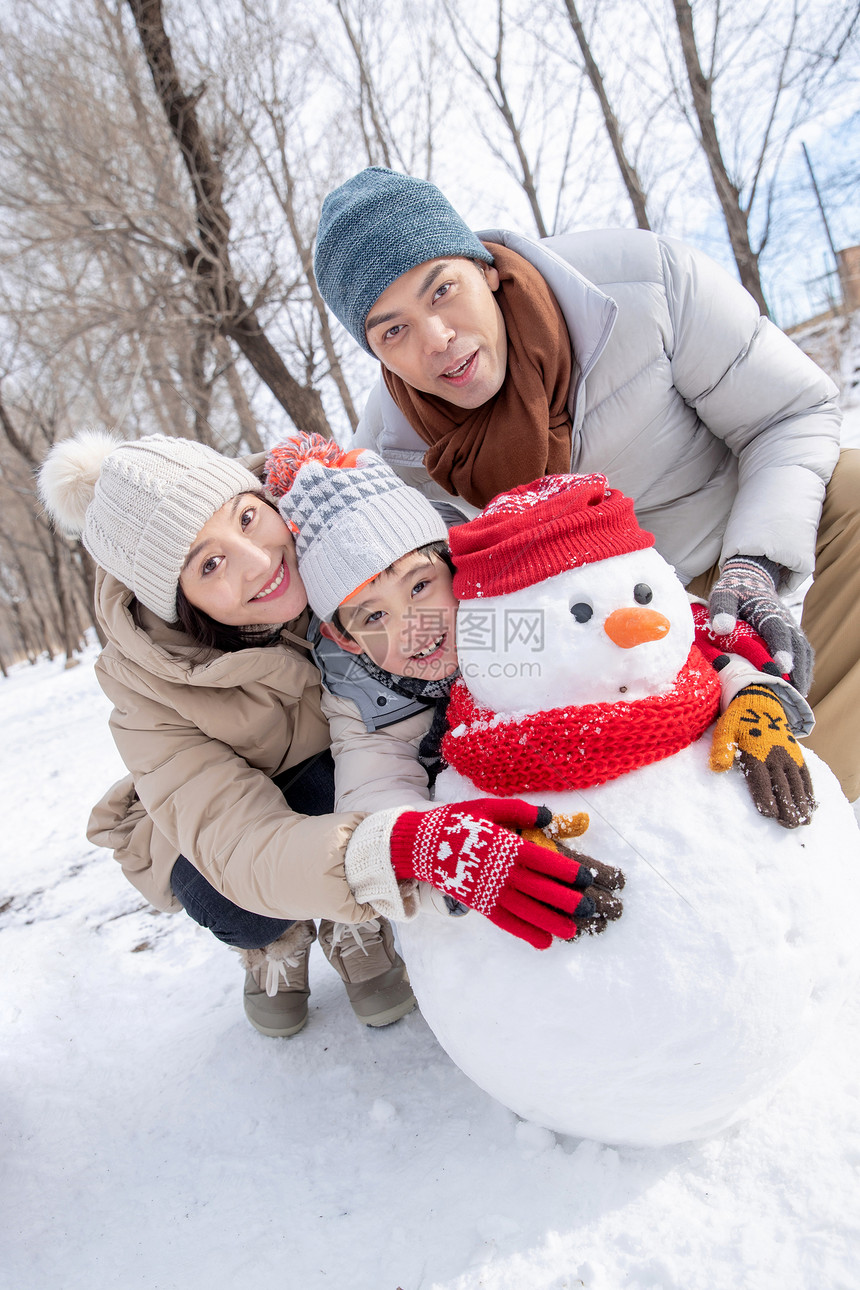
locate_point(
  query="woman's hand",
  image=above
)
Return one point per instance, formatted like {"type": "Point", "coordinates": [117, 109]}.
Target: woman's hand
{"type": "Point", "coordinates": [473, 851]}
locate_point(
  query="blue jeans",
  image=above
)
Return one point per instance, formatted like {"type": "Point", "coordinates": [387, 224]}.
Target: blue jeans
{"type": "Point", "coordinates": [309, 790]}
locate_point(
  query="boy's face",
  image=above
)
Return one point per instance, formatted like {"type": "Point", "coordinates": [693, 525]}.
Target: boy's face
{"type": "Point", "coordinates": [405, 619]}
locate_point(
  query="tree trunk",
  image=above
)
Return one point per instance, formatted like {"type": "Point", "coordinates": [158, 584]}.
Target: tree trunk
{"type": "Point", "coordinates": [527, 179]}
{"type": "Point", "coordinates": [210, 262]}
{"type": "Point", "coordinates": [43, 626]}
{"type": "Point", "coordinates": [367, 96]}
{"type": "Point", "coordinates": [71, 644]}
{"type": "Point", "coordinates": [736, 218]}
{"type": "Point", "coordinates": [497, 93]}
{"type": "Point", "coordinates": [23, 640]}
{"type": "Point", "coordinates": [88, 576]}
{"type": "Point", "coordinates": [32, 645]}
{"type": "Point", "coordinates": [629, 175]}
{"type": "Point", "coordinates": [285, 193]}
{"type": "Point", "coordinates": [247, 423]}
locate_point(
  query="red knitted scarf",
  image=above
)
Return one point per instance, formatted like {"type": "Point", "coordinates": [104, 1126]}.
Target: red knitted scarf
{"type": "Point", "coordinates": [578, 747]}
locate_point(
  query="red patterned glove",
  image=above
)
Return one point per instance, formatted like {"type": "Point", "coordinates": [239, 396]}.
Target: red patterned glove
{"type": "Point", "coordinates": [470, 851]}
{"type": "Point", "coordinates": [742, 639]}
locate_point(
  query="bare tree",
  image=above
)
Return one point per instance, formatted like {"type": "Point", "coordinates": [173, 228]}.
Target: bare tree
{"type": "Point", "coordinates": [95, 294]}
{"type": "Point", "coordinates": [210, 259]}
{"type": "Point", "coordinates": [728, 193]}
{"type": "Point", "coordinates": [29, 445]}
{"type": "Point", "coordinates": [394, 72]}
{"type": "Point", "coordinates": [781, 63]}
{"type": "Point", "coordinates": [269, 122]}
{"type": "Point", "coordinates": [375, 127]}
{"type": "Point", "coordinates": [495, 85]}
{"type": "Point", "coordinates": [629, 175]}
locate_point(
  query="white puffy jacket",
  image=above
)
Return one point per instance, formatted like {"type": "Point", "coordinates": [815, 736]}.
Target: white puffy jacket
{"type": "Point", "coordinates": [721, 430]}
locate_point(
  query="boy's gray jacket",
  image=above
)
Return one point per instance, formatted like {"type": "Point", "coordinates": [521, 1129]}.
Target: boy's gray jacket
{"type": "Point", "coordinates": [375, 733]}
{"type": "Point", "coordinates": [721, 430]}
{"type": "Point", "coordinates": [378, 705]}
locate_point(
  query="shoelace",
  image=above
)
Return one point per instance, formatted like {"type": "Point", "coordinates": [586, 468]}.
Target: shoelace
{"type": "Point", "coordinates": [341, 930]}
{"type": "Point", "coordinates": [277, 968]}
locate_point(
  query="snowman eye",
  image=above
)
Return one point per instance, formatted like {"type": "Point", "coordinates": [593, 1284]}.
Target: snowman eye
{"type": "Point", "coordinates": [581, 612]}
{"type": "Point", "coordinates": [642, 593]}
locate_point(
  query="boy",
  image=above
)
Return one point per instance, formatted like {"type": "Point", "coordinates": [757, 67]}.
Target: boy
{"type": "Point", "coordinates": [373, 556]}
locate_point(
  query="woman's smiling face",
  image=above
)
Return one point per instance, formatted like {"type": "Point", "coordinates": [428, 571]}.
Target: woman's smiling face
{"type": "Point", "coordinates": [241, 569]}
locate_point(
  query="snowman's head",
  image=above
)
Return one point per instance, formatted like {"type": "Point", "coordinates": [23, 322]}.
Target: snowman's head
{"type": "Point", "coordinates": [564, 601]}
{"type": "Point", "coordinates": [620, 629]}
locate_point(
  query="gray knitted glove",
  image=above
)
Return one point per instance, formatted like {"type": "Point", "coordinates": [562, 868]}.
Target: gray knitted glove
{"type": "Point", "coordinates": [746, 588]}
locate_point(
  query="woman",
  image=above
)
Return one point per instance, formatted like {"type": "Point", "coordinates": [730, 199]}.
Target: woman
{"type": "Point", "coordinates": [217, 715]}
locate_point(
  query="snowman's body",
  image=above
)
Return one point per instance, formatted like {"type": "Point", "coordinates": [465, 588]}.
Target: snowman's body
{"type": "Point", "coordinates": [738, 939]}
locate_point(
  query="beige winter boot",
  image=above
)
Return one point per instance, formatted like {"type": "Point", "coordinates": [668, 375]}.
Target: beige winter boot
{"type": "Point", "coordinates": [276, 982]}
{"type": "Point", "coordinates": [374, 974]}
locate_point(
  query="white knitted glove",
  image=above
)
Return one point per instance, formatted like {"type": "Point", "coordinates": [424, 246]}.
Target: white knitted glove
{"type": "Point", "coordinates": [368, 867]}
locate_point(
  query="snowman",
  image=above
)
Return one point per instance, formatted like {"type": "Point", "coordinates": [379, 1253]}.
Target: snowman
{"type": "Point", "coordinates": [582, 690]}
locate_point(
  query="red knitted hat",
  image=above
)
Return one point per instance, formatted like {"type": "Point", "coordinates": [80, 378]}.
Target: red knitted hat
{"type": "Point", "coordinates": [537, 530]}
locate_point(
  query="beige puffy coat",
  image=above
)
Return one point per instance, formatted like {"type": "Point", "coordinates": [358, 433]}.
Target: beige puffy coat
{"type": "Point", "coordinates": [374, 770]}
{"type": "Point", "coordinates": [202, 741]}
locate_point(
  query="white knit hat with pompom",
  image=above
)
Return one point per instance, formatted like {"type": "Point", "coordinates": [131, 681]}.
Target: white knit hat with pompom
{"type": "Point", "coordinates": [138, 505]}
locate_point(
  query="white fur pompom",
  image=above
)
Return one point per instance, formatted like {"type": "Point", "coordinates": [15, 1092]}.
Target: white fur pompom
{"type": "Point", "coordinates": [68, 477]}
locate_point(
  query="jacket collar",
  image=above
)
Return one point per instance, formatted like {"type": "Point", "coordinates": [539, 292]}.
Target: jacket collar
{"type": "Point", "coordinates": [166, 652]}
{"type": "Point", "coordinates": [589, 313]}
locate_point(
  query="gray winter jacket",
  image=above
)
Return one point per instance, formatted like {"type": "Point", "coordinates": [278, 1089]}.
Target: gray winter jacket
{"type": "Point", "coordinates": [721, 430]}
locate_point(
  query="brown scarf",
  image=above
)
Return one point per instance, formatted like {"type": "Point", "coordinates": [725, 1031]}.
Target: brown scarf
{"type": "Point", "coordinates": [524, 431]}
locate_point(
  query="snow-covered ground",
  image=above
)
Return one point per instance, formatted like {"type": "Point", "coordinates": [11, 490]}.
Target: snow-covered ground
{"type": "Point", "coordinates": [152, 1139]}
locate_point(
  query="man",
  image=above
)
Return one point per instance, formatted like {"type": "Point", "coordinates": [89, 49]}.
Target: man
{"type": "Point", "coordinates": [621, 352]}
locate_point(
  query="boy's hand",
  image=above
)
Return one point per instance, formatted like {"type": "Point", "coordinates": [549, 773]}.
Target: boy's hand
{"type": "Point", "coordinates": [473, 852]}
{"type": "Point", "coordinates": [754, 728]}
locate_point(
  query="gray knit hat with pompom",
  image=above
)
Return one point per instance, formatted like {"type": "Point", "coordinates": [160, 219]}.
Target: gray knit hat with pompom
{"type": "Point", "coordinates": [376, 226]}
{"type": "Point", "coordinates": [354, 517]}
{"type": "Point", "coordinates": [138, 505]}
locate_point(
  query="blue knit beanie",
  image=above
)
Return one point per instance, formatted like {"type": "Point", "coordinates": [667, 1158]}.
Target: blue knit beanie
{"type": "Point", "coordinates": [376, 226]}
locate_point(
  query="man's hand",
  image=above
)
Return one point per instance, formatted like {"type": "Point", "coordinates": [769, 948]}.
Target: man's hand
{"type": "Point", "coordinates": [746, 589]}
{"type": "Point", "coordinates": [754, 727]}
{"type": "Point", "coordinates": [473, 852]}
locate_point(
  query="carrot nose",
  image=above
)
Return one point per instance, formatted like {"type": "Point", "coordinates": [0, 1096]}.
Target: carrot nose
{"type": "Point", "coordinates": [629, 627]}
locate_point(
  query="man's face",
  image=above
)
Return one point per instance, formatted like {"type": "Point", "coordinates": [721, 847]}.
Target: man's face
{"type": "Point", "coordinates": [439, 328]}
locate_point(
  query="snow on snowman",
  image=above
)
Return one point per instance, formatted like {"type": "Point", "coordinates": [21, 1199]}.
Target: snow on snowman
{"type": "Point", "coordinates": [582, 690]}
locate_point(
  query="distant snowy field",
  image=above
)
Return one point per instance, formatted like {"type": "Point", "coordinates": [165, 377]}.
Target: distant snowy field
{"type": "Point", "coordinates": [151, 1139]}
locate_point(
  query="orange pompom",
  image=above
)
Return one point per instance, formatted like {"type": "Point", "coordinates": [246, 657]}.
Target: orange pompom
{"type": "Point", "coordinates": [286, 460]}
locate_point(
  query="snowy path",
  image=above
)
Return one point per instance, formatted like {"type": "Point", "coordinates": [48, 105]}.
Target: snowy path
{"type": "Point", "coordinates": [152, 1139]}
